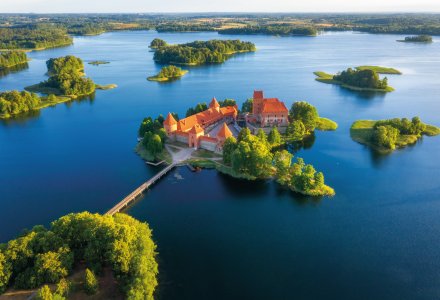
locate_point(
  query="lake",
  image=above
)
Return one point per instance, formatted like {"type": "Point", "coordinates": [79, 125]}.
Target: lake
{"type": "Point", "coordinates": [220, 238]}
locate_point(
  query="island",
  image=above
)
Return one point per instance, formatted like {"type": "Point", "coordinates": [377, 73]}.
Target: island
{"type": "Point", "coordinates": [388, 135]}
{"type": "Point", "coordinates": [66, 77]}
{"type": "Point", "coordinates": [74, 251]}
{"type": "Point", "coordinates": [98, 62]}
{"type": "Point", "coordinates": [201, 52]}
{"type": "Point", "coordinates": [282, 30]}
{"type": "Point", "coordinates": [356, 79]}
{"type": "Point", "coordinates": [12, 59]}
{"type": "Point", "coordinates": [417, 39]}
{"type": "Point", "coordinates": [210, 137]}
{"type": "Point", "coordinates": [168, 73]}
{"type": "Point", "coordinates": [33, 38]}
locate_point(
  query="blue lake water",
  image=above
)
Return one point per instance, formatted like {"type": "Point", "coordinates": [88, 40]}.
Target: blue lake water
{"type": "Point", "coordinates": [220, 238]}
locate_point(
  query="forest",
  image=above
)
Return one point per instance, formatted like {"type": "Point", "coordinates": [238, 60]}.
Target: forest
{"type": "Point", "coordinates": [201, 52]}
{"type": "Point", "coordinates": [66, 76]}
{"type": "Point", "coordinates": [12, 58]}
{"type": "Point", "coordinates": [44, 256]}
{"type": "Point", "coordinates": [33, 37]}
{"type": "Point", "coordinates": [285, 29]}
{"type": "Point", "coordinates": [15, 102]}
{"type": "Point", "coordinates": [366, 78]}
{"type": "Point", "coordinates": [252, 156]}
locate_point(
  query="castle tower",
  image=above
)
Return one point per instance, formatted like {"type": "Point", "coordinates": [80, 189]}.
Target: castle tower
{"type": "Point", "coordinates": [194, 134]}
{"type": "Point", "coordinates": [257, 105]}
{"type": "Point", "coordinates": [214, 104]}
{"type": "Point", "coordinates": [170, 124]}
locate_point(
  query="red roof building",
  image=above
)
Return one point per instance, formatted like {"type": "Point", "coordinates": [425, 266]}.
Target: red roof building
{"type": "Point", "coordinates": [269, 111]}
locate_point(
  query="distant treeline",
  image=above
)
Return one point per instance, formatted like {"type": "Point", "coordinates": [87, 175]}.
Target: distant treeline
{"type": "Point", "coordinates": [12, 58]}
{"type": "Point", "coordinates": [201, 52]}
{"type": "Point", "coordinates": [33, 38]}
{"type": "Point", "coordinates": [184, 27]}
{"type": "Point", "coordinates": [272, 30]}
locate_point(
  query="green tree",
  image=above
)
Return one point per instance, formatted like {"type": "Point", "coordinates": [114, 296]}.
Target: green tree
{"type": "Point", "coordinates": [306, 113]}
{"type": "Point", "coordinates": [247, 106]}
{"type": "Point", "coordinates": [274, 137]}
{"type": "Point", "coordinates": [282, 161]}
{"type": "Point", "coordinates": [44, 293]}
{"type": "Point", "coordinates": [52, 266]}
{"type": "Point", "coordinates": [90, 283]}
{"type": "Point", "coordinates": [261, 135]}
{"type": "Point", "coordinates": [296, 131]}
{"type": "Point", "coordinates": [64, 287]}
{"type": "Point", "coordinates": [154, 144]}
{"type": "Point", "coordinates": [319, 180]}
{"type": "Point", "coordinates": [244, 134]}
{"type": "Point", "coordinates": [386, 136]}
{"type": "Point", "coordinates": [158, 43]}
{"type": "Point", "coordinates": [5, 272]}
{"type": "Point", "coordinates": [228, 149]}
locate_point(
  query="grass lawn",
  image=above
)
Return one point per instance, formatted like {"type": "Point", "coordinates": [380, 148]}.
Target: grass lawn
{"type": "Point", "coordinates": [148, 156]}
{"type": "Point", "coordinates": [380, 70]}
{"type": "Point", "coordinates": [325, 124]}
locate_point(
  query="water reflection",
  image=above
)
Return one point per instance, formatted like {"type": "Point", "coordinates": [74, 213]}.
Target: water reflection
{"type": "Point", "coordinates": [14, 69]}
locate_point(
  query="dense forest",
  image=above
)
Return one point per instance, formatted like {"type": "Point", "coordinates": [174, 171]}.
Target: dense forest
{"type": "Point", "coordinates": [366, 78]}
{"type": "Point", "coordinates": [158, 43]}
{"type": "Point", "coordinates": [41, 256]}
{"type": "Point", "coordinates": [184, 27]}
{"type": "Point", "coordinates": [12, 58]}
{"type": "Point", "coordinates": [15, 102]}
{"type": "Point", "coordinates": [252, 156]}
{"type": "Point", "coordinates": [153, 135]}
{"type": "Point", "coordinates": [285, 29]}
{"type": "Point", "coordinates": [33, 37]}
{"type": "Point", "coordinates": [201, 52]}
{"type": "Point", "coordinates": [66, 76]}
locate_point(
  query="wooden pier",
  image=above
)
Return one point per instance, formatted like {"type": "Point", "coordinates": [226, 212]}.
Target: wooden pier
{"type": "Point", "coordinates": [137, 192]}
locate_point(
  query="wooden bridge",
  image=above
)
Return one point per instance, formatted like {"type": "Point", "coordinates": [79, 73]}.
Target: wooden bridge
{"type": "Point", "coordinates": [121, 205]}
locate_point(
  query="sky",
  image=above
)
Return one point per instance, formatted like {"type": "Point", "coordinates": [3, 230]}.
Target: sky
{"type": "Point", "coordinates": [155, 6]}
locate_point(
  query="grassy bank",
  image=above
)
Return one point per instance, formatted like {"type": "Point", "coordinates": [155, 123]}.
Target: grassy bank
{"type": "Point", "coordinates": [328, 78]}
{"type": "Point", "coordinates": [380, 70]}
{"type": "Point", "coordinates": [148, 156]}
{"type": "Point", "coordinates": [325, 124]}
{"type": "Point", "coordinates": [362, 132]}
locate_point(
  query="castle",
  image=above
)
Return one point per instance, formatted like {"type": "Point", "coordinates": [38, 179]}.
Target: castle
{"type": "Point", "coordinates": [269, 112]}
{"type": "Point", "coordinates": [207, 129]}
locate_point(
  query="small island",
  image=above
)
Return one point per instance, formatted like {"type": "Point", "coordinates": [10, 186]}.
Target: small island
{"type": "Point", "coordinates": [417, 39]}
{"type": "Point", "coordinates": [69, 259]}
{"type": "Point", "coordinates": [12, 59]}
{"type": "Point", "coordinates": [388, 135]}
{"type": "Point", "coordinates": [358, 80]}
{"type": "Point", "coordinates": [168, 73]}
{"type": "Point", "coordinates": [98, 62]}
{"type": "Point", "coordinates": [199, 52]}
{"type": "Point", "coordinates": [66, 78]}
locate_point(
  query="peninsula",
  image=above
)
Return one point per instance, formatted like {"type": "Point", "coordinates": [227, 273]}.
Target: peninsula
{"type": "Point", "coordinates": [363, 79]}
{"type": "Point", "coordinates": [388, 135]}
{"type": "Point", "coordinates": [168, 73]}
{"type": "Point", "coordinates": [199, 52]}
{"type": "Point", "coordinates": [33, 38]}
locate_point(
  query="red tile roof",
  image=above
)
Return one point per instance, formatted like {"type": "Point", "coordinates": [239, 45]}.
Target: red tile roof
{"type": "Point", "coordinates": [273, 105]}
{"type": "Point", "coordinates": [224, 132]}
{"type": "Point", "coordinates": [196, 129]}
{"type": "Point", "coordinates": [170, 120]}
{"type": "Point", "coordinates": [214, 103]}
{"type": "Point", "coordinates": [208, 116]}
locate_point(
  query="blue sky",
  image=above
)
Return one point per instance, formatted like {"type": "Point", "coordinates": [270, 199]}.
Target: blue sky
{"type": "Point", "coordinates": [59, 6]}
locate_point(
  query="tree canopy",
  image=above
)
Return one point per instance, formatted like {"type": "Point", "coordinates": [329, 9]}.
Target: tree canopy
{"type": "Point", "coordinates": [366, 78]}
{"type": "Point", "coordinates": [43, 255]}
{"type": "Point", "coordinates": [201, 52]}
{"type": "Point", "coordinates": [33, 37]}
{"type": "Point", "coordinates": [12, 58]}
